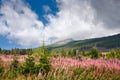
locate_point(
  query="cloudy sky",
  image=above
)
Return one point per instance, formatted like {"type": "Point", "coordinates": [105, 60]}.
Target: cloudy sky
{"type": "Point", "coordinates": [25, 23]}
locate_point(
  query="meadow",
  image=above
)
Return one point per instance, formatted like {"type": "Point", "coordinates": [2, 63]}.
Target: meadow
{"type": "Point", "coordinates": [45, 65]}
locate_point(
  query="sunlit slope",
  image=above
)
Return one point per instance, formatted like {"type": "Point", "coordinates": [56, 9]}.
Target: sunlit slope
{"type": "Point", "coordinates": [103, 43]}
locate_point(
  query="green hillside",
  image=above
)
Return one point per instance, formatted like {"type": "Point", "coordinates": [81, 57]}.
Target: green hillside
{"type": "Point", "coordinates": [103, 44]}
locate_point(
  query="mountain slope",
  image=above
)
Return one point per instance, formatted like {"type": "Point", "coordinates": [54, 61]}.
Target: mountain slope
{"type": "Point", "coordinates": [60, 43]}
{"type": "Point", "coordinates": [104, 43]}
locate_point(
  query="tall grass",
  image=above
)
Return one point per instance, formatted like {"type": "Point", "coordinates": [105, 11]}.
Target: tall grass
{"type": "Point", "coordinates": [83, 66]}
{"type": "Point", "coordinates": [62, 68]}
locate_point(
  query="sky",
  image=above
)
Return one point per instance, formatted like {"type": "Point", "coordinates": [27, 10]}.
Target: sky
{"type": "Point", "coordinates": [26, 23]}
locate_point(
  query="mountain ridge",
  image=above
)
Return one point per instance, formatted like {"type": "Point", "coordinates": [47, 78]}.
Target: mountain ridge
{"type": "Point", "coordinates": [102, 43]}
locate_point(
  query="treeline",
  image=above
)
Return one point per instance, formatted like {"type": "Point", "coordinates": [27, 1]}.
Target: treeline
{"type": "Point", "coordinates": [15, 51]}
{"type": "Point", "coordinates": [75, 52]}
{"type": "Point", "coordinates": [94, 53]}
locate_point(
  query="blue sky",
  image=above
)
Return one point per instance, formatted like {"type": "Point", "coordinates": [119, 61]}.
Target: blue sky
{"type": "Point", "coordinates": [38, 7]}
{"type": "Point", "coordinates": [25, 23]}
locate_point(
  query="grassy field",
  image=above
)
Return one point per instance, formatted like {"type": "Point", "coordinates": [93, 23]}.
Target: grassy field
{"type": "Point", "coordinates": [63, 68]}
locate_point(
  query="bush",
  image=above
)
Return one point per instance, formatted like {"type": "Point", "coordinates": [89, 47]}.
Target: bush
{"type": "Point", "coordinates": [94, 53]}
{"type": "Point", "coordinates": [83, 53]}
{"type": "Point", "coordinates": [14, 64]}
{"type": "Point", "coordinates": [44, 65]}
{"type": "Point", "coordinates": [0, 51]}
{"type": "Point", "coordinates": [1, 69]}
{"type": "Point", "coordinates": [114, 54]}
{"type": "Point", "coordinates": [28, 66]}
{"type": "Point", "coordinates": [13, 71]}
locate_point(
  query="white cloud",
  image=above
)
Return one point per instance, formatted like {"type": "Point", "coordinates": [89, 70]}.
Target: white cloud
{"type": "Point", "coordinates": [46, 8]}
{"type": "Point", "coordinates": [108, 12]}
{"type": "Point", "coordinates": [75, 19]}
{"type": "Point", "coordinates": [20, 23]}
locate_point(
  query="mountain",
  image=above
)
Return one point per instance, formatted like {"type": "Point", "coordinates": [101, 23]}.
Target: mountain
{"type": "Point", "coordinates": [63, 42]}
{"type": "Point", "coordinates": [103, 43]}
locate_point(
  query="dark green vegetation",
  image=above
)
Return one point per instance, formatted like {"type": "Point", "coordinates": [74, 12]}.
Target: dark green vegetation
{"type": "Point", "coordinates": [15, 51]}
{"type": "Point", "coordinates": [114, 54]}
{"type": "Point", "coordinates": [28, 69]}
{"type": "Point", "coordinates": [103, 44]}
{"type": "Point", "coordinates": [25, 70]}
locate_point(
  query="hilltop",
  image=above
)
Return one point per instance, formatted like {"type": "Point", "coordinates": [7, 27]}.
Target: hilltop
{"type": "Point", "coordinates": [103, 43]}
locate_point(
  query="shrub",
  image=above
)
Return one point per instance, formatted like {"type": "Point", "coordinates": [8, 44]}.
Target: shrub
{"type": "Point", "coordinates": [83, 53]}
{"type": "Point", "coordinates": [28, 66]}
{"type": "Point", "coordinates": [13, 71]}
{"type": "Point", "coordinates": [94, 53]}
{"type": "Point", "coordinates": [0, 51]}
{"type": "Point", "coordinates": [14, 64]}
{"type": "Point", "coordinates": [114, 54]}
{"type": "Point", "coordinates": [44, 65]}
{"type": "Point", "coordinates": [1, 69]}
